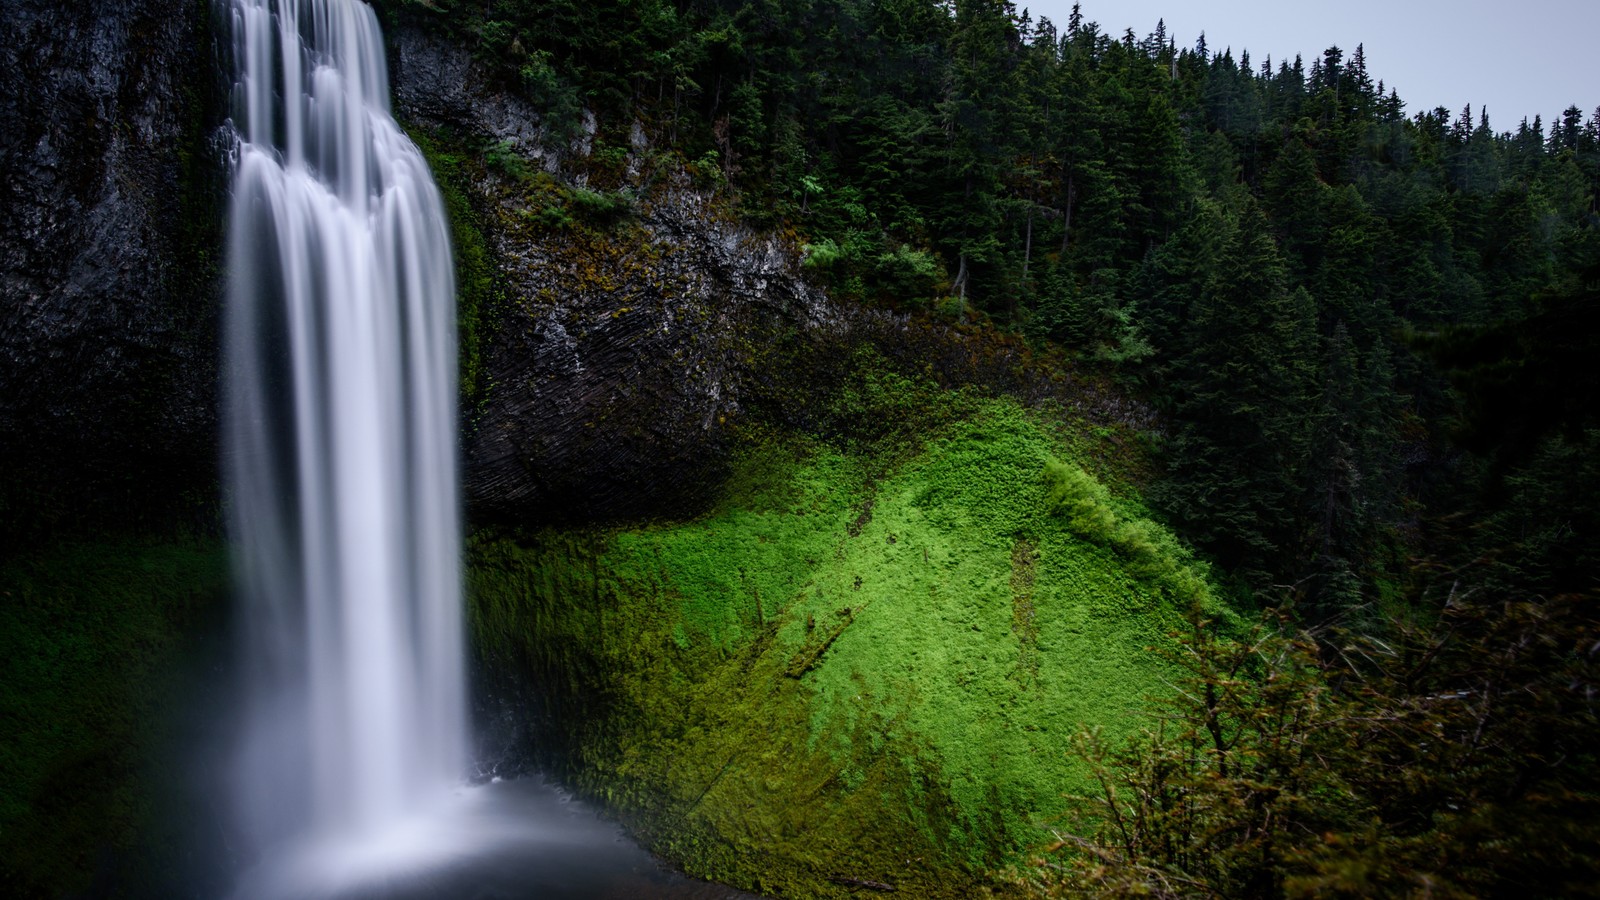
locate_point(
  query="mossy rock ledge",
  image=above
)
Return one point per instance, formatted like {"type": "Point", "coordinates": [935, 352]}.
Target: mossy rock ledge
{"type": "Point", "coordinates": [856, 667]}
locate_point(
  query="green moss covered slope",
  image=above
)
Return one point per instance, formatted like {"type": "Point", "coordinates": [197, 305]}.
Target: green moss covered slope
{"type": "Point", "coordinates": [865, 664]}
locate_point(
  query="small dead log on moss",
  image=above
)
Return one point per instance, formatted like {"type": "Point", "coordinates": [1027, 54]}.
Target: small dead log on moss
{"type": "Point", "coordinates": [720, 772]}
{"type": "Point", "coordinates": [808, 659]}
{"type": "Point", "coordinates": [862, 883]}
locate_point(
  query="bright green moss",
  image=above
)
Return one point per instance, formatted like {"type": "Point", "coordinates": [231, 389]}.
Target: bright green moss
{"type": "Point", "coordinates": [849, 667]}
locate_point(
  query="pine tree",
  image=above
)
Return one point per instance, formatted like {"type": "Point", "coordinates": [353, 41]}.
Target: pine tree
{"type": "Point", "coordinates": [1173, 276]}
{"type": "Point", "coordinates": [1346, 281]}
{"type": "Point", "coordinates": [1294, 196]}
{"type": "Point", "coordinates": [1245, 389]}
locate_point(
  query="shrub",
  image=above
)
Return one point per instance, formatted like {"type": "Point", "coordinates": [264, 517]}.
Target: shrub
{"type": "Point", "coordinates": [1152, 553]}
{"type": "Point", "coordinates": [1456, 759]}
{"type": "Point", "coordinates": [1076, 494]}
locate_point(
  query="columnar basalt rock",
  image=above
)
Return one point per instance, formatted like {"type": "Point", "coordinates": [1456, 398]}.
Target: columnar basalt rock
{"type": "Point", "coordinates": [613, 395]}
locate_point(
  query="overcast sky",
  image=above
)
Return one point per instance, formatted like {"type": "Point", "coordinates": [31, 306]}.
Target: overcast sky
{"type": "Point", "coordinates": [1520, 57]}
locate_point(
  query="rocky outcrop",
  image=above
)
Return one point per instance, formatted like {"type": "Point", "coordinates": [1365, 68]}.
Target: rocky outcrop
{"type": "Point", "coordinates": [109, 223]}
{"type": "Point", "coordinates": [618, 356]}
{"type": "Point", "coordinates": [617, 371]}
{"type": "Point", "coordinates": [621, 354]}
{"type": "Point", "coordinates": [438, 82]}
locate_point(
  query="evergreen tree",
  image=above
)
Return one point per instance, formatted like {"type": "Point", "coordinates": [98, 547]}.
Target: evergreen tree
{"type": "Point", "coordinates": [1295, 196]}
{"type": "Point", "coordinates": [1245, 387]}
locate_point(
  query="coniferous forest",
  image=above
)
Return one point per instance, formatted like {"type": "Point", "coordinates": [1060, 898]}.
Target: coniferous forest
{"type": "Point", "coordinates": [1351, 316]}
{"type": "Point", "coordinates": [1368, 331]}
{"type": "Point", "coordinates": [1354, 348]}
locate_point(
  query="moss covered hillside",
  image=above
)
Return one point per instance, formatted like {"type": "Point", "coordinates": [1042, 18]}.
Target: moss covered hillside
{"type": "Point", "coordinates": [868, 662]}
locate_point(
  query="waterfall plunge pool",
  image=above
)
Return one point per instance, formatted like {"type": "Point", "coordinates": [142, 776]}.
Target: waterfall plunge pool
{"type": "Point", "coordinates": [505, 840]}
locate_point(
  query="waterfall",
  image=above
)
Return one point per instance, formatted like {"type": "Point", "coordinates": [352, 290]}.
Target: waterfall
{"type": "Point", "coordinates": [340, 437]}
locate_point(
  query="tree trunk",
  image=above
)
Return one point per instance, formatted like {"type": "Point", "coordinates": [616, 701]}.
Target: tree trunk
{"type": "Point", "coordinates": [1066, 228]}
{"type": "Point", "coordinates": [1027, 248]}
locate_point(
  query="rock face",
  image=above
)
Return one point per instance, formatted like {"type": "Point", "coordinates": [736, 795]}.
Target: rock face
{"type": "Point", "coordinates": [621, 354]}
{"type": "Point", "coordinates": [618, 356]}
{"type": "Point", "coordinates": [616, 376]}
{"type": "Point", "coordinates": [109, 221]}
{"type": "Point", "coordinates": [437, 82]}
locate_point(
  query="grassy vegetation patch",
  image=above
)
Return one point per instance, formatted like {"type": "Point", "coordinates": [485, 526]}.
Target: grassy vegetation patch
{"type": "Point", "coordinates": [861, 665]}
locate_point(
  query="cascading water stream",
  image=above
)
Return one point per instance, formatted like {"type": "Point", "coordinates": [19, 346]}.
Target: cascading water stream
{"type": "Point", "coordinates": [340, 436]}
{"type": "Point", "coordinates": [340, 447]}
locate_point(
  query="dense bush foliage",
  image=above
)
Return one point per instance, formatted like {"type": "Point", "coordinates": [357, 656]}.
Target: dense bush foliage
{"type": "Point", "coordinates": [1456, 759]}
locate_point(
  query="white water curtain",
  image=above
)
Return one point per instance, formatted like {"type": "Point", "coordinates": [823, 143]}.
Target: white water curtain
{"type": "Point", "coordinates": [340, 433]}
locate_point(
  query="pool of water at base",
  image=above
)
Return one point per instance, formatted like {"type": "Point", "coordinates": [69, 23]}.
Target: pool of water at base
{"type": "Point", "coordinates": [521, 839]}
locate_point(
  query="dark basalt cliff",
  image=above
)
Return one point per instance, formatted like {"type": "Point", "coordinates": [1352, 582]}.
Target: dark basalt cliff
{"type": "Point", "coordinates": [109, 229]}
{"type": "Point", "coordinates": [615, 360]}
{"type": "Point", "coordinates": [614, 379]}
{"type": "Point", "coordinates": [618, 359]}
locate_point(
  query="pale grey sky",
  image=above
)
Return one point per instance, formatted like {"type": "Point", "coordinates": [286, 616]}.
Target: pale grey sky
{"type": "Point", "coordinates": [1520, 57]}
